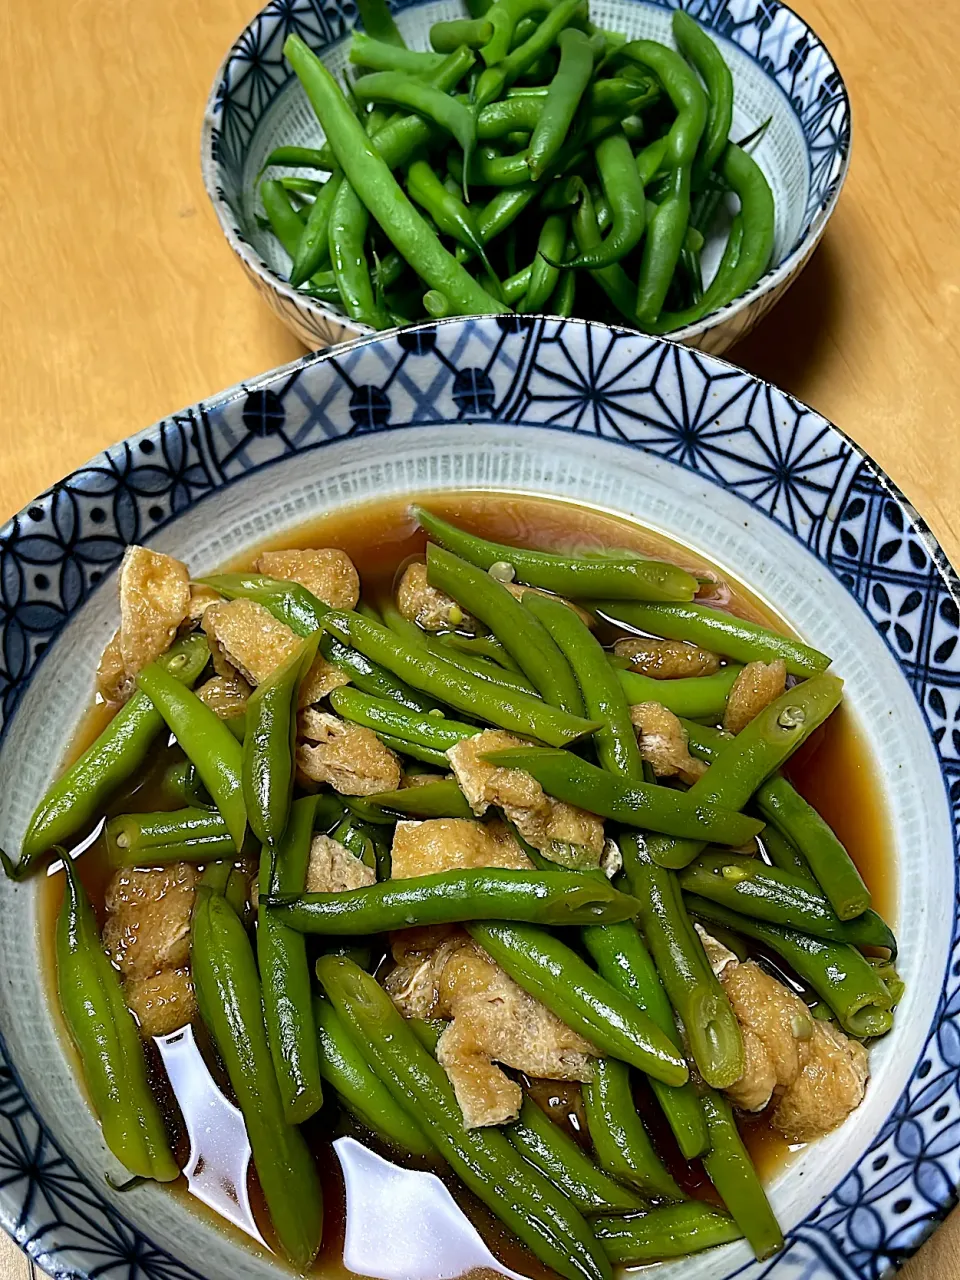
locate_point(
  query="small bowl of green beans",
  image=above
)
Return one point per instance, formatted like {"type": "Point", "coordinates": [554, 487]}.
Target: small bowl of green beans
{"type": "Point", "coordinates": [632, 163]}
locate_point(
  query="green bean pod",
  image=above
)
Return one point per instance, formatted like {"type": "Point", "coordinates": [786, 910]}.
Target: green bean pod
{"type": "Point", "coordinates": [379, 23]}
{"type": "Point", "coordinates": [478, 666]}
{"type": "Point", "coordinates": [699, 50]}
{"type": "Point", "coordinates": [576, 577]}
{"type": "Point", "coordinates": [295, 157]}
{"type": "Point", "coordinates": [285, 971]}
{"type": "Point", "coordinates": [159, 839]}
{"type": "Point", "coordinates": [313, 248]}
{"type": "Point", "coordinates": [566, 1163]}
{"type": "Point", "coordinates": [625, 196]}
{"type": "Point", "coordinates": [347, 235]}
{"type": "Point", "coordinates": [448, 897]}
{"type": "Point", "coordinates": [447, 210]}
{"type": "Point", "coordinates": [384, 57]}
{"type": "Point", "coordinates": [669, 1231]}
{"type": "Point", "coordinates": [544, 275]}
{"type": "Point", "coordinates": [81, 792]}
{"type": "Point", "coordinates": [231, 1004]}
{"type": "Point", "coordinates": [541, 1216]}
{"type": "Point", "coordinates": [731, 1171]}
{"type": "Point", "coordinates": [426, 755]}
{"type": "Point", "coordinates": [556, 975]}
{"type": "Point", "coordinates": [206, 741]}
{"type": "Point", "coordinates": [562, 100]}
{"type": "Point", "coordinates": [369, 677]}
{"type": "Point", "coordinates": [383, 715]}
{"type": "Point", "coordinates": [181, 784]}
{"type": "Point", "coordinates": [289, 602]}
{"type": "Point", "coordinates": [621, 1143]}
{"type": "Point", "coordinates": [108, 1041]}
{"type": "Point", "coordinates": [694, 697]}
{"type": "Point", "coordinates": [495, 79]}
{"type": "Point", "coordinates": [481, 647]}
{"type": "Point", "coordinates": [843, 978]}
{"type": "Point", "coordinates": [445, 37]}
{"type": "Point", "coordinates": [440, 799]}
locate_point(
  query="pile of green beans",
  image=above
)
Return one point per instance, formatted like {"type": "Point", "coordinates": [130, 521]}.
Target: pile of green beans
{"type": "Point", "coordinates": [620, 150]}
{"type": "Point", "coordinates": [600, 929]}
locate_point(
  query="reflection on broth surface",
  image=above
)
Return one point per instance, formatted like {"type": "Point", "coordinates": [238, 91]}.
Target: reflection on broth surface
{"type": "Point", "coordinates": [420, 1235]}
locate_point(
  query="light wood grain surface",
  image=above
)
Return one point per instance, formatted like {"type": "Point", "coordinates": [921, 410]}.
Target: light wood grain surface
{"type": "Point", "coordinates": [120, 301]}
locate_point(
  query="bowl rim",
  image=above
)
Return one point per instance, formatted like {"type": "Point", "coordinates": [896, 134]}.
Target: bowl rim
{"type": "Point", "coordinates": [944, 570]}
{"type": "Point", "coordinates": [775, 277]}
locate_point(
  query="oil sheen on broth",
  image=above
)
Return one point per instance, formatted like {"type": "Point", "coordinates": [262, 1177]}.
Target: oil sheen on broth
{"type": "Point", "coordinates": [833, 771]}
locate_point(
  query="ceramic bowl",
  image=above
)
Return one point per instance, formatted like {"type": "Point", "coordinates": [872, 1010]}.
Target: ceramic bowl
{"type": "Point", "coordinates": [781, 71]}
{"type": "Point", "coordinates": [682, 442]}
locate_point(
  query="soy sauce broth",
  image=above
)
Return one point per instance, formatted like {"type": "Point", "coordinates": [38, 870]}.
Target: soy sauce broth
{"type": "Point", "coordinates": [833, 771]}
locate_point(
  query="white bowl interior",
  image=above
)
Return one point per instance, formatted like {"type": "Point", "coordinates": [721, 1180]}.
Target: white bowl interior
{"type": "Point", "coordinates": [600, 472]}
{"type": "Point", "coordinates": [782, 152]}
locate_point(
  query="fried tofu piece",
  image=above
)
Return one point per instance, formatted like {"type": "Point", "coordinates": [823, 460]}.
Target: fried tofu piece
{"type": "Point", "coordinates": [201, 598]}
{"type": "Point", "coordinates": [666, 659]}
{"type": "Point", "coordinates": [552, 826]}
{"type": "Point", "coordinates": [813, 1073]}
{"type": "Point", "coordinates": [322, 678]}
{"type": "Point", "coordinates": [429, 608]}
{"type": "Point", "coordinates": [112, 682]}
{"type": "Point", "coordinates": [154, 599]}
{"type": "Point", "coordinates": [350, 757]}
{"type": "Point", "coordinates": [663, 743]}
{"type": "Point", "coordinates": [757, 685]}
{"type": "Point", "coordinates": [333, 869]}
{"type": "Point", "coordinates": [328, 573]}
{"type": "Point", "coordinates": [449, 844]}
{"type": "Point", "coordinates": [226, 695]}
{"type": "Point", "coordinates": [162, 1004]}
{"type": "Point", "coordinates": [421, 779]}
{"type": "Point", "coordinates": [246, 637]}
{"type": "Point", "coordinates": [148, 919]}
{"type": "Point", "coordinates": [420, 955]}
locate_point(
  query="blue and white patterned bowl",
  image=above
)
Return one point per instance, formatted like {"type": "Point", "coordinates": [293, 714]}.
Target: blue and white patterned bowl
{"type": "Point", "coordinates": [677, 439]}
{"type": "Point", "coordinates": [781, 71]}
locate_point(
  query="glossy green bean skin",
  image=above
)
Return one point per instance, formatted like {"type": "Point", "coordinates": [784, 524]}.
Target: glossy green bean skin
{"type": "Point", "coordinates": [695, 993]}
{"type": "Point", "coordinates": [562, 100]}
{"type": "Point", "coordinates": [575, 577]}
{"type": "Point", "coordinates": [477, 666]}
{"type": "Point", "coordinates": [566, 1163]}
{"type": "Point", "coordinates": [427, 755]}
{"type": "Point", "coordinates": [524, 638]}
{"type": "Point", "coordinates": [344, 1067]}
{"type": "Point", "coordinates": [699, 50]}
{"type": "Point", "coordinates": [269, 745]}
{"type": "Point", "coordinates": [505, 17]}
{"type": "Point", "coordinates": [638, 804]}
{"type": "Point", "coordinates": [347, 234]}
{"type": "Point", "coordinates": [694, 697]}
{"type": "Point", "coordinates": [784, 854]}
{"type": "Point", "coordinates": [159, 839]}
{"type": "Point", "coordinates": [285, 971]}
{"type": "Point", "coordinates": [441, 799]}
{"type": "Point", "coordinates": [383, 715]}
{"type": "Point", "coordinates": [622, 959]}
{"type": "Point", "coordinates": [544, 275]}
{"type": "Point", "coordinates": [840, 975]}
{"type": "Point", "coordinates": [731, 1171]}
{"type": "Point", "coordinates": [603, 697]}
{"type": "Point", "coordinates": [496, 78]}
{"type": "Point", "coordinates": [541, 1216]}
{"type": "Point", "coordinates": [230, 1001]}
{"type": "Point", "coordinates": [501, 707]}
{"type": "Point", "coordinates": [449, 897]}
{"type": "Point", "coordinates": [313, 248]}
{"type": "Point", "coordinates": [669, 1231]}
{"type": "Point", "coordinates": [295, 157]}
{"type": "Point", "coordinates": [625, 196]}
{"type": "Point", "coordinates": [612, 279]}
{"type": "Point", "coordinates": [289, 602]}
{"type": "Point", "coordinates": [447, 210]}
{"type": "Point", "coordinates": [445, 37]}
{"type": "Point", "coordinates": [206, 741]}
{"type": "Point", "coordinates": [107, 1040]}
{"type": "Point", "coordinates": [367, 172]}
{"type": "Point", "coordinates": [779, 897]}
{"type": "Point", "coordinates": [378, 22]}
{"type": "Point", "coordinates": [80, 793]}
{"type": "Point", "coordinates": [369, 677]}
{"type": "Point", "coordinates": [719, 631]}
{"type": "Point", "coordinates": [481, 647]}
{"type": "Point", "coordinates": [286, 222]}
{"type": "Point", "coordinates": [401, 90]}
{"type": "Point", "coordinates": [384, 57]}
{"type": "Point", "coordinates": [181, 784]}
{"type": "Point", "coordinates": [621, 1143]}
{"type": "Point", "coordinates": [553, 973]}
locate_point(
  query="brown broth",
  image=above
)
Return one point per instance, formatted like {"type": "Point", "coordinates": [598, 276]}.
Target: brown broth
{"type": "Point", "coordinates": [833, 771]}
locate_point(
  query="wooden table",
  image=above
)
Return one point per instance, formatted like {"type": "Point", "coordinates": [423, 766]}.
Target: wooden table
{"type": "Point", "coordinates": [121, 301]}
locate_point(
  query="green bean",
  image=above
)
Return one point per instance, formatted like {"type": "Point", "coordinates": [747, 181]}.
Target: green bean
{"type": "Point", "coordinates": [623, 190]}
{"type": "Point", "coordinates": [351, 270]}
{"type": "Point", "coordinates": [779, 897]}
{"type": "Point", "coordinates": [638, 804]}
{"type": "Point", "coordinates": [784, 854]}
{"type": "Point", "coordinates": [345, 1068]}
{"type": "Point", "coordinates": [694, 991]}
{"type": "Point", "coordinates": [566, 1164]}
{"type": "Point", "coordinates": [694, 697]}
{"type": "Point", "coordinates": [367, 172]}
{"type": "Point", "coordinates": [603, 698]}
{"type": "Point", "coordinates": [562, 100]}
{"type": "Point", "coordinates": [447, 210]}
{"type": "Point", "coordinates": [231, 1004]}
{"type": "Point", "coordinates": [834, 869]}
{"type": "Point", "coordinates": [670, 1231]}
{"type": "Point", "coordinates": [697, 47]}
{"type": "Point", "coordinates": [521, 634]}
{"type": "Point", "coordinates": [371, 678]}
{"type": "Point", "coordinates": [731, 1171]}
{"type": "Point", "coordinates": [285, 971]}
{"type": "Point", "coordinates": [622, 959]}
{"type": "Point", "coordinates": [295, 157]}
{"type": "Point", "coordinates": [488, 168]}
{"type": "Point", "coordinates": [718, 631]}
{"type": "Point", "coordinates": [206, 741]}
{"type": "Point", "coordinates": [380, 56]}
{"type": "Point", "coordinates": [477, 666]}
{"type": "Point", "coordinates": [542, 1217]}
{"type": "Point", "coordinates": [508, 115]}
{"type": "Point", "coordinates": [283, 218]}
{"type": "Point", "coordinates": [402, 90]}
{"type": "Point", "coordinates": [426, 755]}
{"type": "Point", "coordinates": [449, 897]}
{"type": "Point", "coordinates": [378, 22]}
{"type": "Point", "coordinates": [544, 274]}
{"type": "Point", "coordinates": [517, 712]}
{"type": "Point", "coordinates": [514, 287]}
{"type": "Point", "coordinates": [627, 578]}
{"type": "Point", "coordinates": [181, 784]}
{"type": "Point", "coordinates": [159, 839]}
{"type": "Point", "coordinates": [289, 602]}
{"type": "Point", "coordinates": [496, 78]}
{"type": "Point", "coordinates": [481, 647]}
{"type": "Point", "coordinates": [505, 17]}
{"type": "Point", "coordinates": [313, 247]}
{"type": "Point", "coordinates": [350, 833]}
{"type": "Point", "coordinates": [566, 984]}
{"type": "Point", "coordinates": [107, 1040]}
{"type": "Point", "coordinates": [840, 975]}
{"type": "Point", "coordinates": [441, 799]}
{"type": "Point", "coordinates": [621, 1143]}
{"type": "Point", "coordinates": [445, 37]}
{"type": "Point", "coordinates": [382, 715]}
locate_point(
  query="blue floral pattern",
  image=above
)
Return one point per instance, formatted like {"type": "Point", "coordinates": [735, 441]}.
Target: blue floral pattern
{"type": "Point", "coordinates": [689, 410]}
